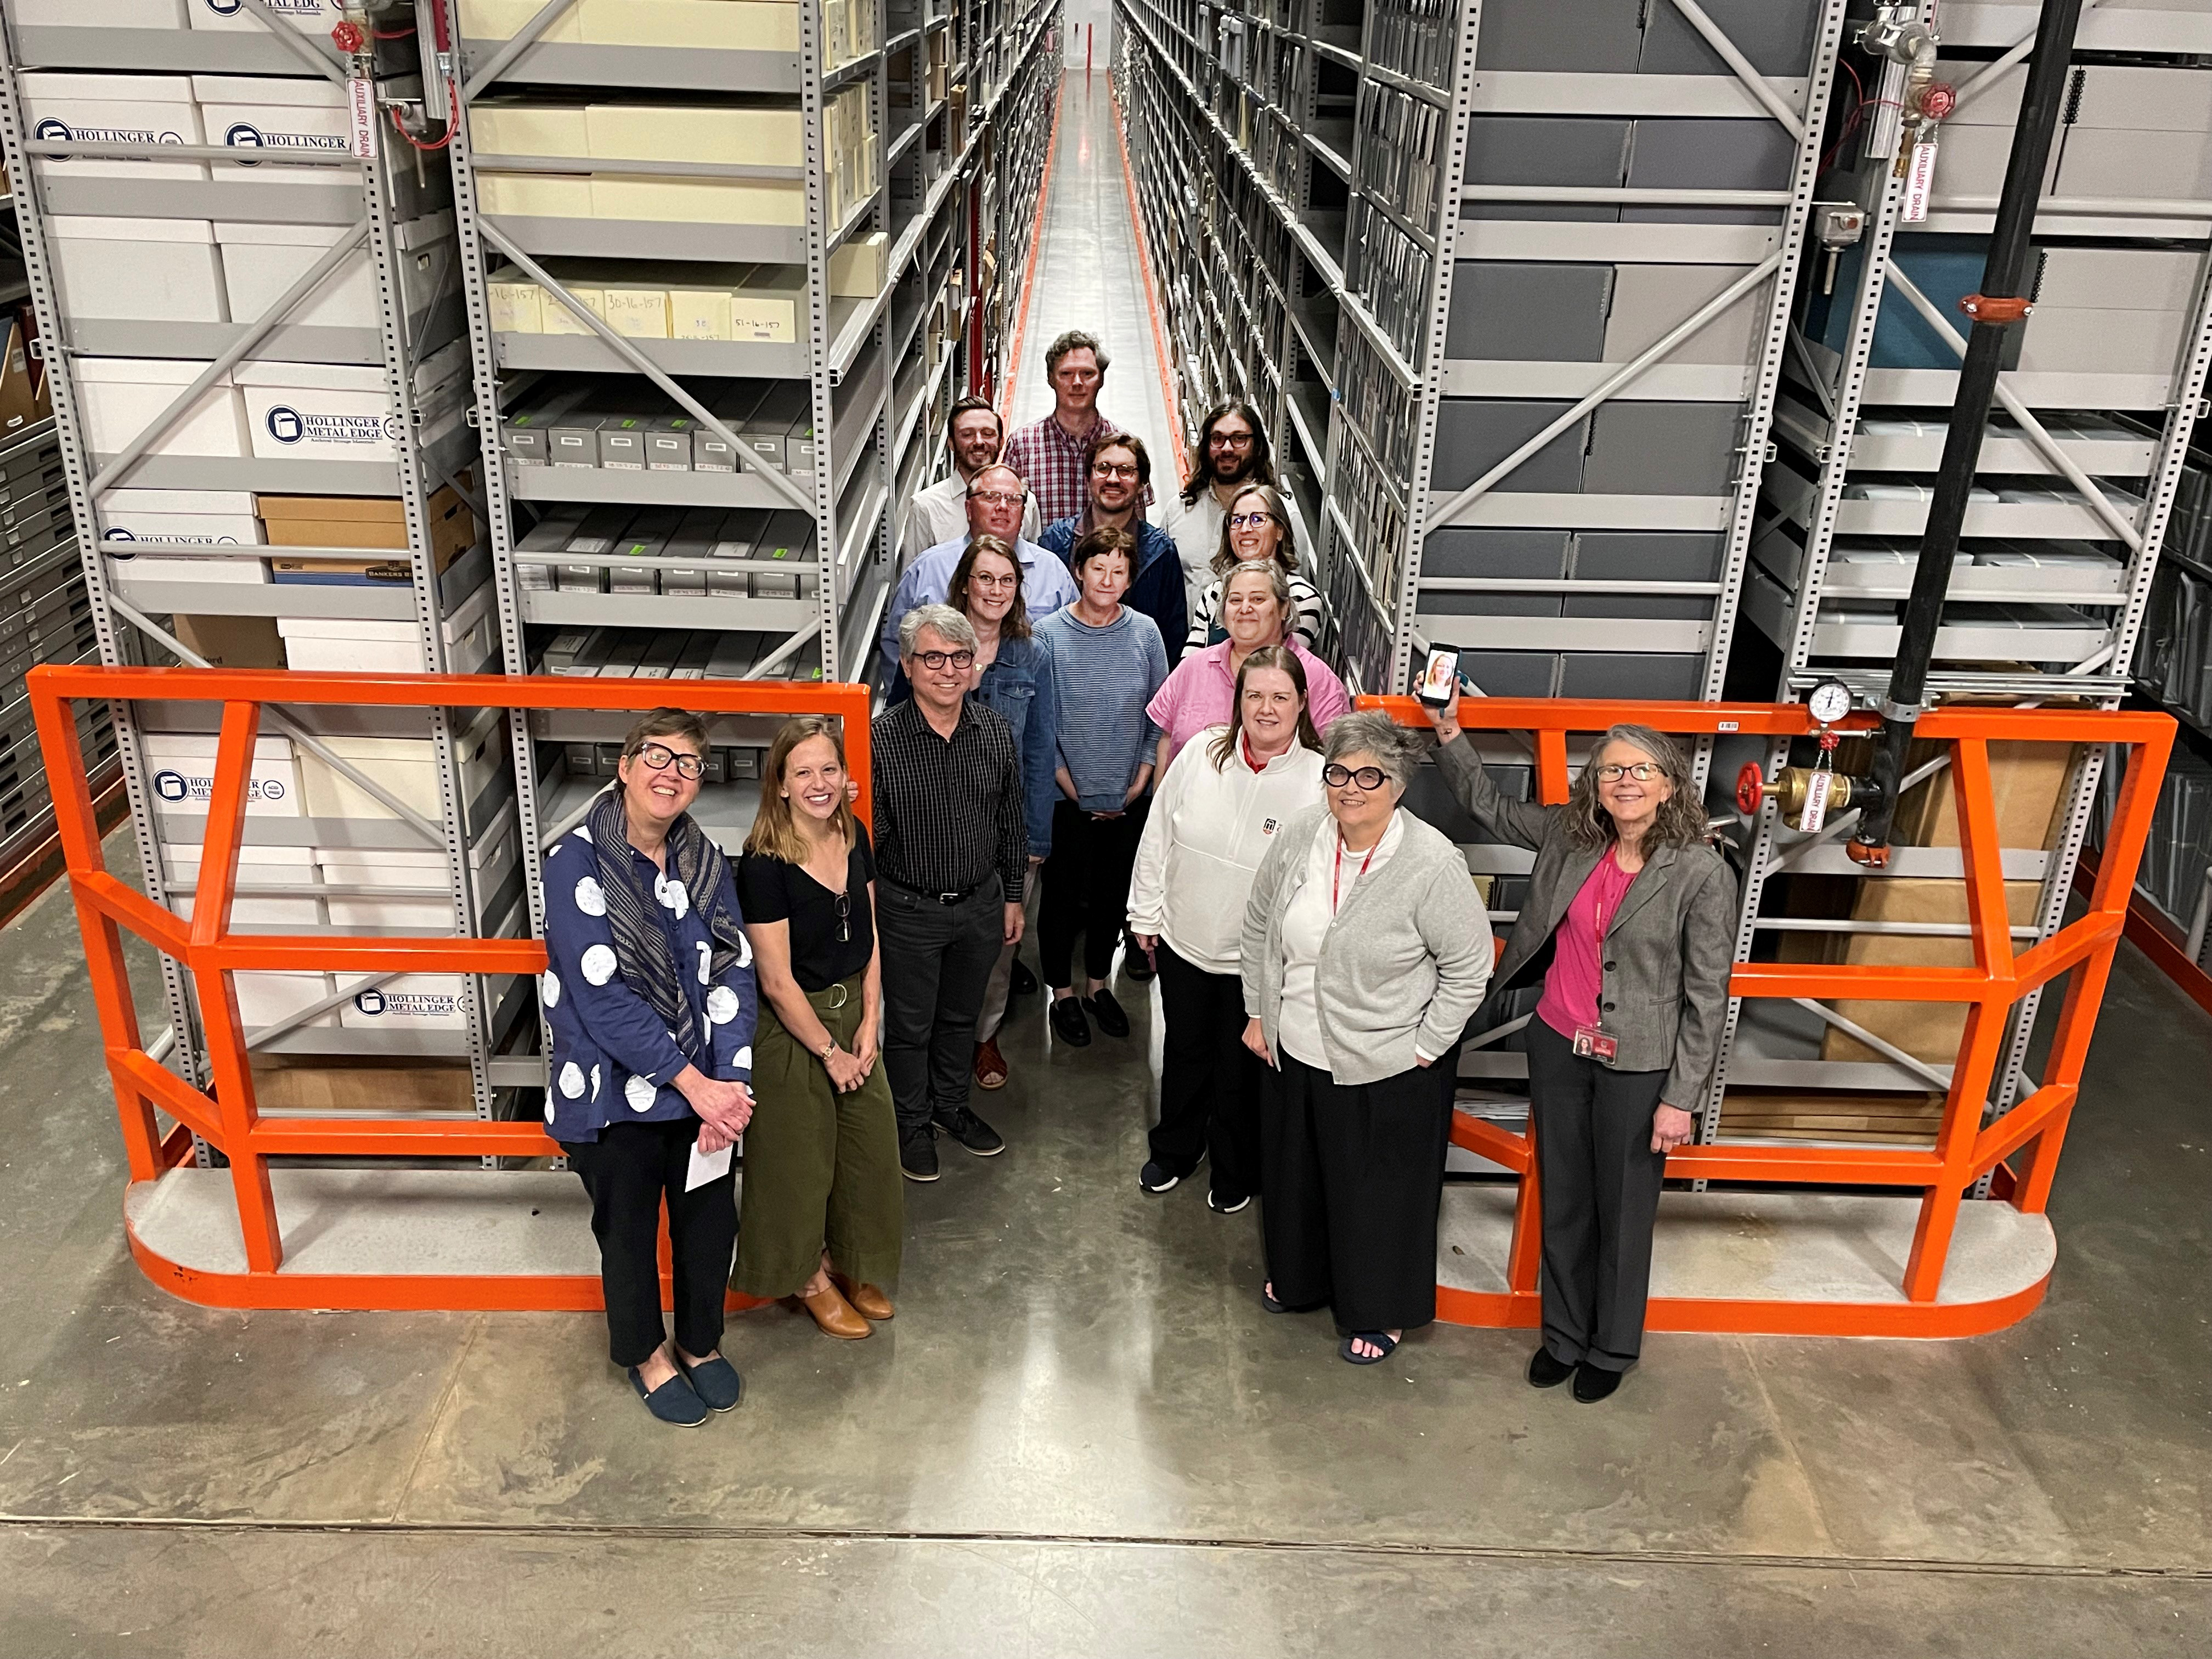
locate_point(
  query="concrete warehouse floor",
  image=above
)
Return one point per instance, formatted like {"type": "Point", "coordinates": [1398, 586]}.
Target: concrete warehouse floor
{"type": "Point", "coordinates": [1081, 1436]}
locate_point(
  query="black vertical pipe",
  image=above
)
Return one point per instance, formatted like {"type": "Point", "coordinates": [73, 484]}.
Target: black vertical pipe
{"type": "Point", "coordinates": [2002, 279]}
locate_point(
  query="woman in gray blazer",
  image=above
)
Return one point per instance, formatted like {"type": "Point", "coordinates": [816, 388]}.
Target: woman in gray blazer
{"type": "Point", "coordinates": [1364, 953]}
{"type": "Point", "coordinates": [1630, 927]}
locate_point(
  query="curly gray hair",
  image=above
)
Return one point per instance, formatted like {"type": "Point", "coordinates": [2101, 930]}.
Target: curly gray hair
{"type": "Point", "coordinates": [1682, 820]}
{"type": "Point", "coordinates": [954, 629]}
{"type": "Point", "coordinates": [1395, 748]}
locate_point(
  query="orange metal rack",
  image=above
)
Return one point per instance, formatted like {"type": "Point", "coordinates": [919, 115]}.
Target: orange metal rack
{"type": "Point", "coordinates": [2020, 1148]}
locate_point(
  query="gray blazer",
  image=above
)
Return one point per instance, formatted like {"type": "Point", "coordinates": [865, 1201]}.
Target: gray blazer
{"type": "Point", "coordinates": [1404, 962]}
{"type": "Point", "coordinates": [1669, 952]}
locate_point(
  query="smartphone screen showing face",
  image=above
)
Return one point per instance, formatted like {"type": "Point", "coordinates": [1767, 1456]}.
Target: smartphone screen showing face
{"type": "Point", "coordinates": [1438, 678]}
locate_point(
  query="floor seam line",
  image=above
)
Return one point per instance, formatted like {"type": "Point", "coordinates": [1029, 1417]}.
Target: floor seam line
{"type": "Point", "coordinates": [437, 1416]}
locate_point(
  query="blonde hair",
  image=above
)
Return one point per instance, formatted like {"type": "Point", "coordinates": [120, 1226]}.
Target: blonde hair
{"type": "Point", "coordinates": [1225, 558]}
{"type": "Point", "coordinates": [775, 832]}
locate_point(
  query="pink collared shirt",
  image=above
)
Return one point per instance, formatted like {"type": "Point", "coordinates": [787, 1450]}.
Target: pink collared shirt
{"type": "Point", "coordinates": [1200, 691]}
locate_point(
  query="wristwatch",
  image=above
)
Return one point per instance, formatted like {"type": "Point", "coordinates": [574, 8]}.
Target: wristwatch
{"type": "Point", "coordinates": [824, 1055]}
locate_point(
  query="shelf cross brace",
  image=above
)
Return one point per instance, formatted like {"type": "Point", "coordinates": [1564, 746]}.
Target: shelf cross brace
{"type": "Point", "coordinates": [1694, 14]}
{"type": "Point", "coordinates": [519, 42]}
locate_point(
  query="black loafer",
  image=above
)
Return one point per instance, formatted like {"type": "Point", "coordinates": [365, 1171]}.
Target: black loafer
{"type": "Point", "coordinates": [674, 1402]}
{"type": "Point", "coordinates": [1594, 1382]}
{"type": "Point", "coordinates": [715, 1381]}
{"type": "Point", "coordinates": [1137, 965]}
{"type": "Point", "coordinates": [1068, 1023]}
{"type": "Point", "coordinates": [1108, 1012]}
{"type": "Point", "coordinates": [1023, 982]}
{"type": "Point", "coordinates": [1546, 1372]}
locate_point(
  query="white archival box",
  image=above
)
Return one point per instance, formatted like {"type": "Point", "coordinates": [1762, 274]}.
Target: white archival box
{"type": "Point", "coordinates": [121, 396]}
{"type": "Point", "coordinates": [180, 771]}
{"type": "Point", "coordinates": [129, 109]}
{"type": "Point", "coordinates": [138, 270]}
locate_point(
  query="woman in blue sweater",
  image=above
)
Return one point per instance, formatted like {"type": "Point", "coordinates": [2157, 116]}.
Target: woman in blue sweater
{"type": "Point", "coordinates": [1107, 661]}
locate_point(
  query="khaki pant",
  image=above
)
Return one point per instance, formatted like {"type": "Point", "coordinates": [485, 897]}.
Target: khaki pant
{"type": "Point", "coordinates": [1000, 991]}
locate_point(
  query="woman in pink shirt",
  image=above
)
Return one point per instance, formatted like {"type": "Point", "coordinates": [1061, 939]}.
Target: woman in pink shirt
{"type": "Point", "coordinates": [1256, 609]}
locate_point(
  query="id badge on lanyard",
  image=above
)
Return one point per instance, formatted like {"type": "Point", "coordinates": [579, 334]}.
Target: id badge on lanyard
{"type": "Point", "coordinates": [1593, 1042]}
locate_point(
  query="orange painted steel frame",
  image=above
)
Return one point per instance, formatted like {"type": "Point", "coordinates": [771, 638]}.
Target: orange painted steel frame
{"type": "Point", "coordinates": [2030, 1133]}
{"type": "Point", "coordinates": [226, 1117]}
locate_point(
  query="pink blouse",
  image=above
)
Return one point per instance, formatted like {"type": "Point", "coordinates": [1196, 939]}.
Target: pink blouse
{"type": "Point", "coordinates": [1201, 690]}
{"type": "Point", "coordinates": [1572, 984]}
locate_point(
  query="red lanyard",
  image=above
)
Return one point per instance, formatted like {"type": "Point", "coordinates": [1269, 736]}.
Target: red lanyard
{"type": "Point", "coordinates": [1338, 871]}
{"type": "Point", "coordinates": [1250, 759]}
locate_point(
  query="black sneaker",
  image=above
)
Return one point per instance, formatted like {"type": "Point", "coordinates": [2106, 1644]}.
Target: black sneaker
{"type": "Point", "coordinates": [1156, 1177]}
{"type": "Point", "coordinates": [1108, 1012]}
{"type": "Point", "coordinates": [1220, 1206]}
{"type": "Point", "coordinates": [918, 1153]}
{"type": "Point", "coordinates": [1137, 965]}
{"type": "Point", "coordinates": [1023, 983]}
{"type": "Point", "coordinates": [971, 1131]}
{"type": "Point", "coordinates": [1068, 1023]}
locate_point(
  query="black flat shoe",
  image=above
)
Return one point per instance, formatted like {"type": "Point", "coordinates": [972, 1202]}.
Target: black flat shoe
{"type": "Point", "coordinates": [1546, 1372]}
{"type": "Point", "coordinates": [1023, 982]}
{"type": "Point", "coordinates": [1108, 1014]}
{"type": "Point", "coordinates": [1068, 1023]}
{"type": "Point", "coordinates": [1594, 1382]}
{"type": "Point", "coordinates": [1138, 966]}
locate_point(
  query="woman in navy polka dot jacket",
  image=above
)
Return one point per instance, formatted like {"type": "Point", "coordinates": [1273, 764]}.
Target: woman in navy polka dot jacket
{"type": "Point", "coordinates": [649, 993]}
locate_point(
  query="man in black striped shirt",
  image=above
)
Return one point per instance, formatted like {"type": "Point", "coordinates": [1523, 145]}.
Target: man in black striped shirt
{"type": "Point", "coordinates": [951, 847]}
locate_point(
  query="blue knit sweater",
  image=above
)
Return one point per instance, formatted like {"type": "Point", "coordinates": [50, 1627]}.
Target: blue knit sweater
{"type": "Point", "coordinates": [1103, 677]}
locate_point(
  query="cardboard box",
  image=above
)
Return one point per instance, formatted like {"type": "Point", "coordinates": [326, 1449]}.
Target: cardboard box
{"type": "Point", "coordinates": [410, 1002]}
{"type": "Point", "coordinates": [503, 126]}
{"type": "Point", "coordinates": [502, 20]}
{"type": "Point", "coordinates": [129, 109]}
{"type": "Point", "coordinates": [232, 641]}
{"type": "Point", "coordinates": [361, 521]}
{"type": "Point", "coordinates": [110, 14]}
{"type": "Point", "coordinates": [2028, 779]}
{"type": "Point", "coordinates": [490, 866]}
{"type": "Point", "coordinates": [120, 397]}
{"type": "Point", "coordinates": [351, 646]}
{"type": "Point", "coordinates": [694, 25]}
{"type": "Point", "coordinates": [408, 767]}
{"type": "Point", "coordinates": [178, 519]}
{"type": "Point", "coordinates": [268, 112]}
{"type": "Point", "coordinates": [535, 195]}
{"type": "Point", "coordinates": [518, 305]}
{"type": "Point", "coordinates": [699, 201]}
{"type": "Point", "coordinates": [180, 772]}
{"type": "Point", "coordinates": [768, 305]}
{"type": "Point", "coordinates": [283, 1083]}
{"type": "Point", "coordinates": [262, 866]}
{"type": "Point", "coordinates": [758, 136]}
{"type": "Point", "coordinates": [265, 999]}
{"type": "Point", "coordinates": [641, 313]}
{"type": "Point", "coordinates": [317, 412]}
{"type": "Point", "coordinates": [315, 17]}
{"type": "Point", "coordinates": [1927, 1031]}
{"type": "Point", "coordinates": [260, 262]}
{"type": "Point", "coordinates": [138, 270]}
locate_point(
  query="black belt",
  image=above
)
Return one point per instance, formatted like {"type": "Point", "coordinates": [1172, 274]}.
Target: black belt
{"type": "Point", "coordinates": [946, 898]}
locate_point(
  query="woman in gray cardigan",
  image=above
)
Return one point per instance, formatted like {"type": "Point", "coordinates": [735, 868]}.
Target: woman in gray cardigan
{"type": "Point", "coordinates": [1630, 927]}
{"type": "Point", "coordinates": [1366, 952]}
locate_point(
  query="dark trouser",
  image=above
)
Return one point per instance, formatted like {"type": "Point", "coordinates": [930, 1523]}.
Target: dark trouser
{"type": "Point", "coordinates": [1086, 891]}
{"type": "Point", "coordinates": [627, 1171]}
{"type": "Point", "coordinates": [821, 1169]}
{"type": "Point", "coordinates": [937, 959]}
{"type": "Point", "coordinates": [1353, 1176]}
{"type": "Point", "coordinates": [1209, 1080]}
{"type": "Point", "coordinates": [1600, 1181]}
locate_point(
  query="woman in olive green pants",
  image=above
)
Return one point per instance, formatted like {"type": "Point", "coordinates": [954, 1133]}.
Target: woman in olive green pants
{"type": "Point", "coordinates": [822, 1204]}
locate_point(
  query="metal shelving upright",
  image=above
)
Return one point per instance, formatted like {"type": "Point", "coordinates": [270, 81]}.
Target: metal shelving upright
{"type": "Point", "coordinates": [878, 372]}
{"type": "Point", "coordinates": [2076, 485]}
{"type": "Point", "coordinates": [385, 266]}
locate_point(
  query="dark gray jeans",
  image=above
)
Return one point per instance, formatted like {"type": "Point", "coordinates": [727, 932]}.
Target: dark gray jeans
{"type": "Point", "coordinates": [937, 960]}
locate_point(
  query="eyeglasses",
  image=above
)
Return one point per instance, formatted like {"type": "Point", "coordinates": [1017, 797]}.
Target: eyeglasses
{"type": "Point", "coordinates": [1367, 777]}
{"type": "Point", "coordinates": [1642, 772]}
{"type": "Point", "coordinates": [1109, 470]}
{"type": "Point", "coordinates": [656, 756]}
{"type": "Point", "coordinates": [1249, 521]}
{"type": "Point", "coordinates": [1229, 440]}
{"type": "Point", "coordinates": [996, 497]}
{"type": "Point", "coordinates": [977, 578]}
{"type": "Point", "coordinates": [934, 660]}
{"type": "Point", "coordinates": [844, 918]}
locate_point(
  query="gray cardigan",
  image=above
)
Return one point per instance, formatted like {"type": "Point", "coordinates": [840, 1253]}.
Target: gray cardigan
{"type": "Point", "coordinates": [1406, 958]}
{"type": "Point", "coordinates": [1668, 950]}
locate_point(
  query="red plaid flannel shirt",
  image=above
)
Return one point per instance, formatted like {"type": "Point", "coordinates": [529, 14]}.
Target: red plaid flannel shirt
{"type": "Point", "coordinates": [1051, 463]}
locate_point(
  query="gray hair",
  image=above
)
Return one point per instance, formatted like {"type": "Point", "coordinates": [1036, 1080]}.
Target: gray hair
{"type": "Point", "coordinates": [1074, 340]}
{"type": "Point", "coordinates": [1395, 749]}
{"type": "Point", "coordinates": [1279, 584]}
{"type": "Point", "coordinates": [984, 472]}
{"type": "Point", "coordinates": [951, 627]}
{"type": "Point", "coordinates": [1681, 818]}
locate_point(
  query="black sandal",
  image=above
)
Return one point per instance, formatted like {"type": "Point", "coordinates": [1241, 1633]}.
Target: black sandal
{"type": "Point", "coordinates": [1381, 1340]}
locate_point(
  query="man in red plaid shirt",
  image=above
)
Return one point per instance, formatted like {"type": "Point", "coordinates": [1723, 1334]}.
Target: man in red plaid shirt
{"type": "Point", "coordinates": [1052, 454]}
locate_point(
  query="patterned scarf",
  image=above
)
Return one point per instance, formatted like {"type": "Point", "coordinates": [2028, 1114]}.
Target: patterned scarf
{"type": "Point", "coordinates": [640, 945]}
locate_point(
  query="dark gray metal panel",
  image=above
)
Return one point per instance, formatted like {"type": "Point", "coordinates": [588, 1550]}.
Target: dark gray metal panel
{"type": "Point", "coordinates": [1647, 555]}
{"type": "Point", "coordinates": [1593, 37]}
{"type": "Point", "coordinates": [1623, 674]}
{"type": "Point", "coordinates": [1474, 434]}
{"type": "Point", "coordinates": [1529, 312]}
{"type": "Point", "coordinates": [1661, 449]}
{"type": "Point", "coordinates": [1776, 35]}
{"type": "Point", "coordinates": [1546, 149]}
{"type": "Point", "coordinates": [1508, 673]}
{"type": "Point", "coordinates": [1525, 553]}
{"type": "Point", "coordinates": [1695, 153]}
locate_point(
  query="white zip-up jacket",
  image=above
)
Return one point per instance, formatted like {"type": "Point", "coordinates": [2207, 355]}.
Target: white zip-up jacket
{"type": "Point", "coordinates": [1208, 830]}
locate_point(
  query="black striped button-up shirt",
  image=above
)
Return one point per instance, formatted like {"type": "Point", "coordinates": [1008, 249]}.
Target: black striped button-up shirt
{"type": "Point", "coordinates": [948, 811]}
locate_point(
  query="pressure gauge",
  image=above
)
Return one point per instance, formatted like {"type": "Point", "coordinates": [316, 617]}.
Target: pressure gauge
{"type": "Point", "coordinates": [1829, 701]}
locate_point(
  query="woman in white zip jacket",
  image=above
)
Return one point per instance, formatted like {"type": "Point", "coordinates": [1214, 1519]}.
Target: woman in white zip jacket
{"type": "Point", "coordinates": [1213, 817]}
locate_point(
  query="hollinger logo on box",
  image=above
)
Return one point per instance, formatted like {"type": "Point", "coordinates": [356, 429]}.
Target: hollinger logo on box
{"type": "Point", "coordinates": [244, 135]}
{"type": "Point", "coordinates": [288, 425]}
{"type": "Point", "coordinates": [171, 786]}
{"type": "Point", "coordinates": [406, 1005]}
{"type": "Point", "coordinates": [282, 8]}
{"type": "Point", "coordinates": [60, 132]}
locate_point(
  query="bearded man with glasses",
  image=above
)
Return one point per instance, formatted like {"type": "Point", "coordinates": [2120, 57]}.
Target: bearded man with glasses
{"type": "Point", "coordinates": [1232, 454]}
{"type": "Point", "coordinates": [997, 498]}
{"type": "Point", "coordinates": [951, 852]}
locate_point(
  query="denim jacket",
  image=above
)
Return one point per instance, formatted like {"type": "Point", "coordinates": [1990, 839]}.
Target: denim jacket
{"type": "Point", "coordinates": [1018, 688]}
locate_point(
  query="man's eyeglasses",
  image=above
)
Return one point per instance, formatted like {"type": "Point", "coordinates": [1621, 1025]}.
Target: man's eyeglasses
{"type": "Point", "coordinates": [657, 756]}
{"type": "Point", "coordinates": [1109, 469]}
{"type": "Point", "coordinates": [1642, 772]}
{"type": "Point", "coordinates": [1229, 440]}
{"type": "Point", "coordinates": [1367, 777]}
{"type": "Point", "coordinates": [1249, 521]}
{"type": "Point", "coordinates": [996, 497]}
{"type": "Point", "coordinates": [934, 660]}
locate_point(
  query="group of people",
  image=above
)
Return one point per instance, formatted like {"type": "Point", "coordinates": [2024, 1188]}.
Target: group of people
{"type": "Point", "coordinates": [1213, 809]}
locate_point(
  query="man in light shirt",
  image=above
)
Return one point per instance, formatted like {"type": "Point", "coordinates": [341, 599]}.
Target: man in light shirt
{"type": "Point", "coordinates": [1232, 451]}
{"type": "Point", "coordinates": [939, 513]}
{"type": "Point", "coordinates": [996, 502]}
